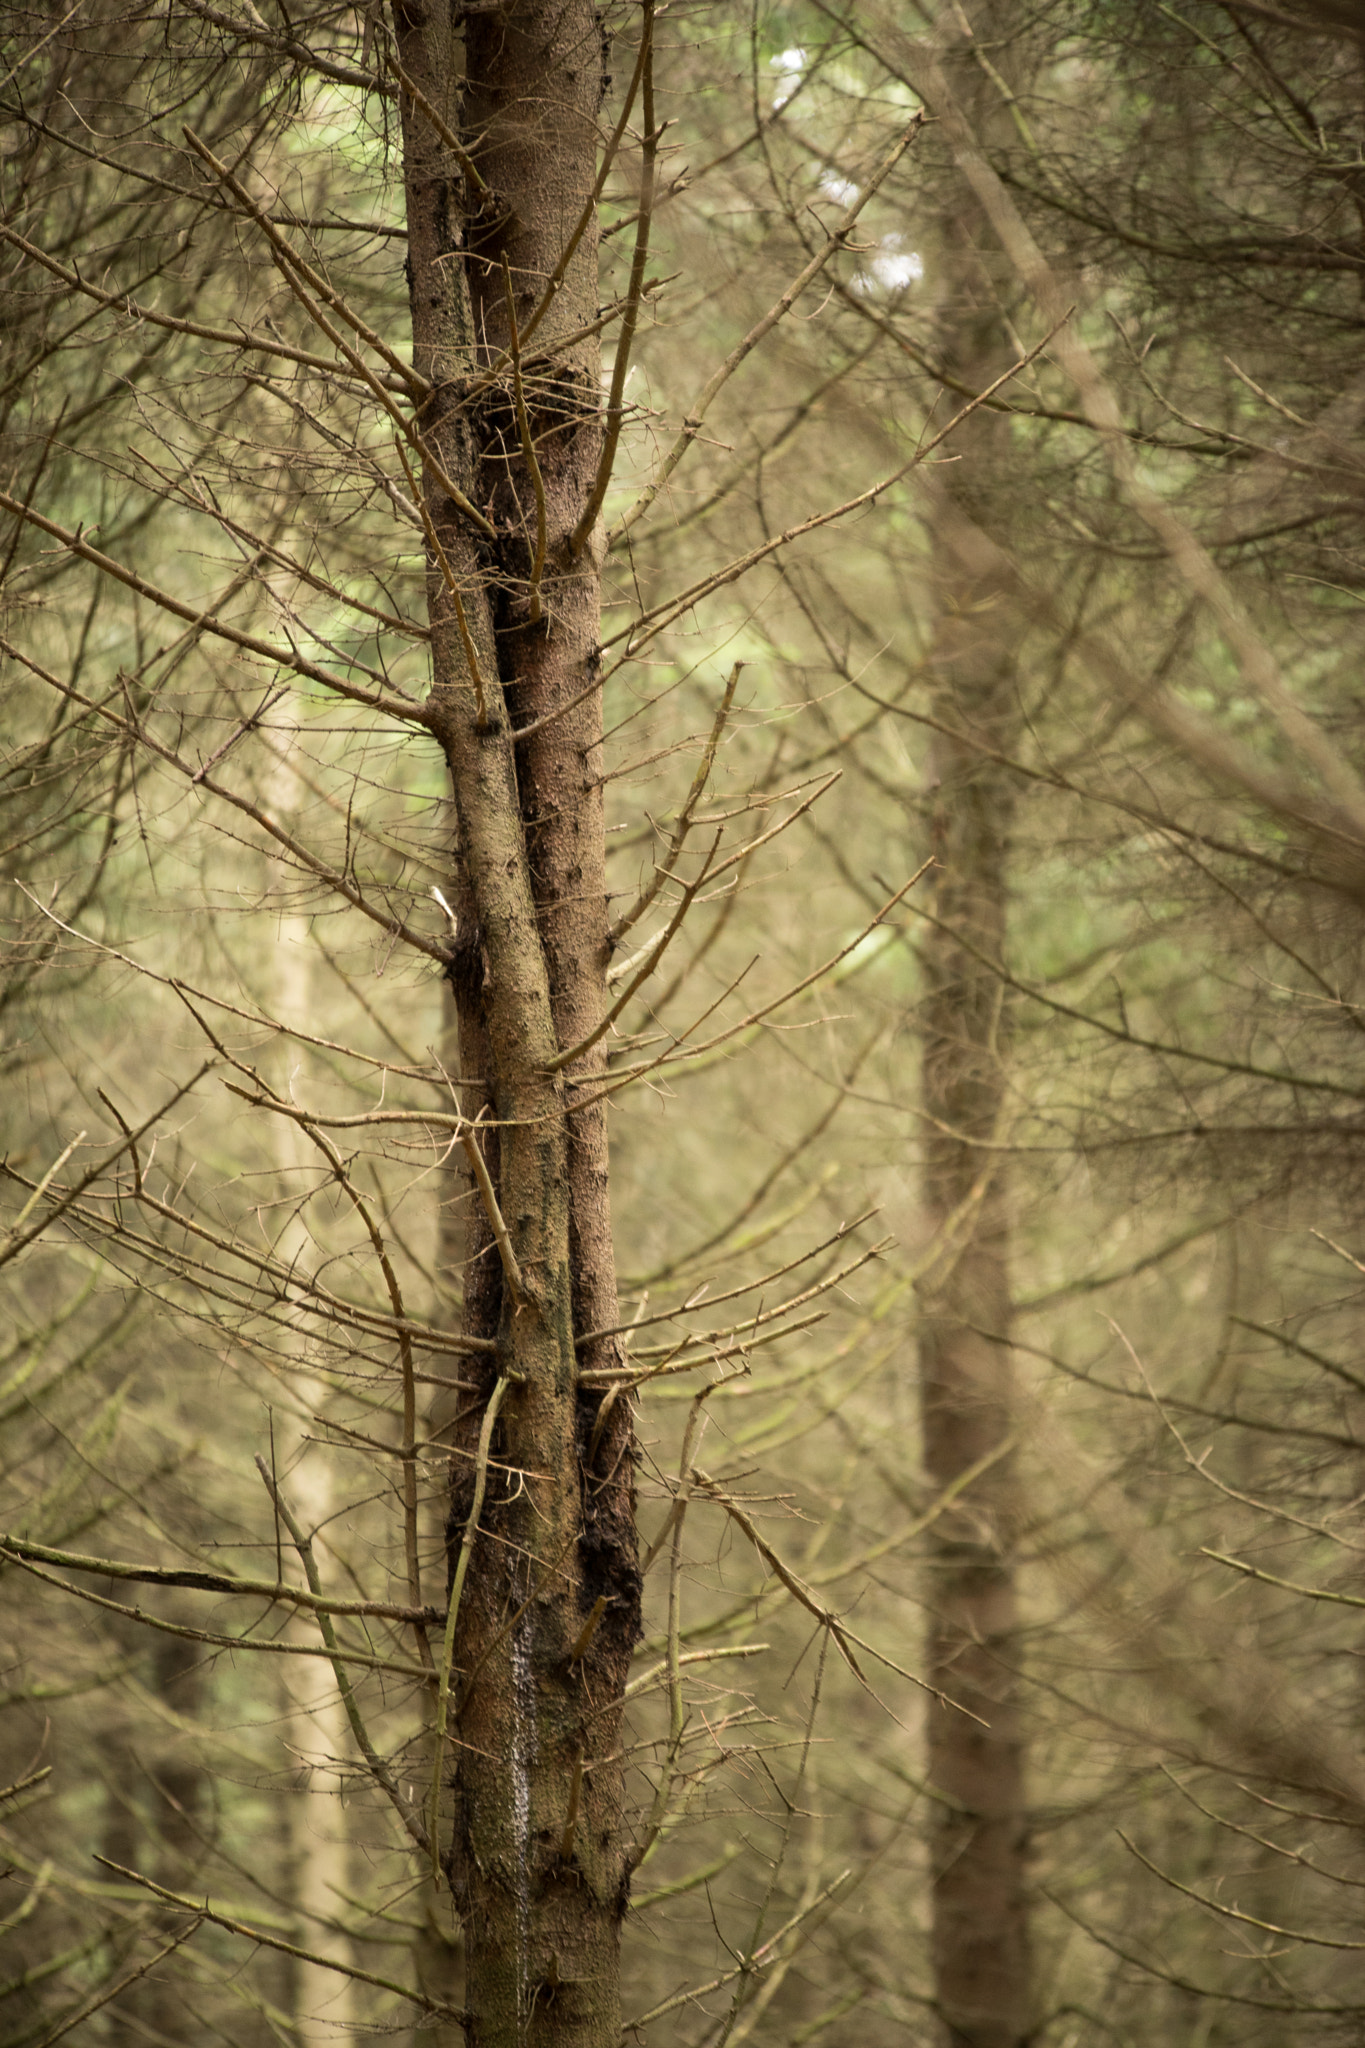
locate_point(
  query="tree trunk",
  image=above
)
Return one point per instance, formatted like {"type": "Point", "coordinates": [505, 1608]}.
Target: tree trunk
{"type": "Point", "coordinates": [979, 1836]}
{"type": "Point", "coordinates": [549, 1613]}
{"type": "Point", "coordinates": [980, 1929]}
{"type": "Point", "coordinates": [313, 1721]}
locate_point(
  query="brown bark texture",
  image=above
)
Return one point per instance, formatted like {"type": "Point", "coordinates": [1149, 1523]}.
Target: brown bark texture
{"type": "Point", "coordinates": [980, 1934]}
{"type": "Point", "coordinates": [980, 1925]}
{"type": "Point", "coordinates": [537, 1856]}
{"type": "Point", "coordinates": [980, 1930]}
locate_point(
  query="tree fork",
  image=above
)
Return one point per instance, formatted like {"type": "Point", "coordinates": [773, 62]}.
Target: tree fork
{"type": "Point", "coordinates": [537, 1693]}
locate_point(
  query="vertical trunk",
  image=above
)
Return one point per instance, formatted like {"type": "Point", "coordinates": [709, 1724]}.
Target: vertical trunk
{"type": "Point", "coordinates": [313, 1728]}
{"type": "Point", "coordinates": [120, 1840]}
{"type": "Point", "coordinates": [980, 1928]}
{"type": "Point", "coordinates": [179, 1794]}
{"type": "Point", "coordinates": [549, 1609]}
{"type": "Point", "coordinates": [155, 1811]}
{"type": "Point", "coordinates": [319, 1847]}
{"type": "Point", "coordinates": [438, 1951]}
{"type": "Point", "coordinates": [980, 1918]}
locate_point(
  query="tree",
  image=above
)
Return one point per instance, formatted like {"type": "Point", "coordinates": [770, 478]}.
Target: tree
{"type": "Point", "coordinates": [265, 446]}
{"type": "Point", "coordinates": [1214, 233]}
{"type": "Point", "coordinates": [1191, 767]}
{"type": "Point", "coordinates": [981, 1908]}
{"type": "Point", "coordinates": [540, 1858]}
{"type": "Point", "coordinates": [542, 1861]}
{"type": "Point", "coordinates": [421, 753]}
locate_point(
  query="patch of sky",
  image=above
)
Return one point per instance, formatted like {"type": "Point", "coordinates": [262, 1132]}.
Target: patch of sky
{"type": "Point", "coordinates": [788, 64]}
{"type": "Point", "coordinates": [890, 268]}
{"type": "Point", "coordinates": [884, 949]}
{"type": "Point", "coordinates": [840, 190]}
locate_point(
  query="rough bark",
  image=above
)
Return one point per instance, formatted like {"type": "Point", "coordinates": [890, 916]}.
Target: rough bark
{"type": "Point", "coordinates": [979, 1837]}
{"type": "Point", "coordinates": [550, 1606]}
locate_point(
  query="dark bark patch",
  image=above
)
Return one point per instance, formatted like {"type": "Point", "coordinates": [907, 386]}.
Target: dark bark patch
{"type": "Point", "coordinates": [467, 967]}
{"type": "Point", "coordinates": [608, 1556]}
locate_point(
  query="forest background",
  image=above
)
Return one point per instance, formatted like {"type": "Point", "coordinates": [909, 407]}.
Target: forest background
{"type": "Point", "coordinates": [973, 498]}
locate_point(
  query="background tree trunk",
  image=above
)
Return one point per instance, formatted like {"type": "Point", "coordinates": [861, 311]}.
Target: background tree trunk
{"type": "Point", "coordinates": [979, 1838]}
{"type": "Point", "coordinates": [979, 1832]}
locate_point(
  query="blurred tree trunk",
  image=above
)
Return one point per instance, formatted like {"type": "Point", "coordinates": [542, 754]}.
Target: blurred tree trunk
{"type": "Point", "coordinates": [314, 1730]}
{"type": "Point", "coordinates": [539, 1864]}
{"type": "Point", "coordinates": [976, 1766]}
{"type": "Point", "coordinates": [438, 1950]}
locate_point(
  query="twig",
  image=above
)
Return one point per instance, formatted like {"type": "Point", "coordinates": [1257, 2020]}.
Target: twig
{"type": "Point", "coordinates": [109, 1992]}
{"type": "Point", "coordinates": [44, 1184]}
{"type": "Point", "coordinates": [527, 445]}
{"type": "Point", "coordinates": [419, 499]}
{"type": "Point", "coordinates": [409, 1450]}
{"type": "Point", "coordinates": [634, 294]}
{"type": "Point", "coordinates": [680, 1051]}
{"type": "Point", "coordinates": [655, 953]}
{"type": "Point", "coordinates": [1235, 1912]}
{"type": "Point", "coordinates": [299, 276]}
{"type": "Point", "coordinates": [663, 615]}
{"type": "Point", "coordinates": [290, 46]}
{"type": "Point", "coordinates": [708, 1351]}
{"type": "Point", "coordinates": [259, 1645]}
{"type": "Point", "coordinates": [247, 725]}
{"type": "Point", "coordinates": [1252, 1571]}
{"type": "Point", "coordinates": [692, 423]}
{"type": "Point", "coordinates": [196, 1581]}
{"type": "Point", "coordinates": [16, 1238]}
{"type": "Point", "coordinates": [284, 1278]}
{"type": "Point", "coordinates": [392, 706]}
{"type": "Point", "coordinates": [289, 260]}
{"type": "Point", "coordinates": [392, 926]}
{"type": "Point", "coordinates": [241, 338]}
{"type": "Point", "coordinates": [677, 1716]}
{"type": "Point", "coordinates": [798, 1590]}
{"type": "Point", "coordinates": [844, 1637]}
{"type": "Point", "coordinates": [501, 1236]}
{"type": "Point", "coordinates": [748, 1966]}
{"type": "Point", "coordinates": [642, 1684]}
{"type": "Point", "coordinates": [285, 1948]}
{"type": "Point", "coordinates": [684, 825]}
{"type": "Point", "coordinates": [470, 1530]}
{"type": "Point", "coordinates": [377, 1768]}
{"type": "Point", "coordinates": [707, 1301]}
{"type": "Point", "coordinates": [25, 1784]}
